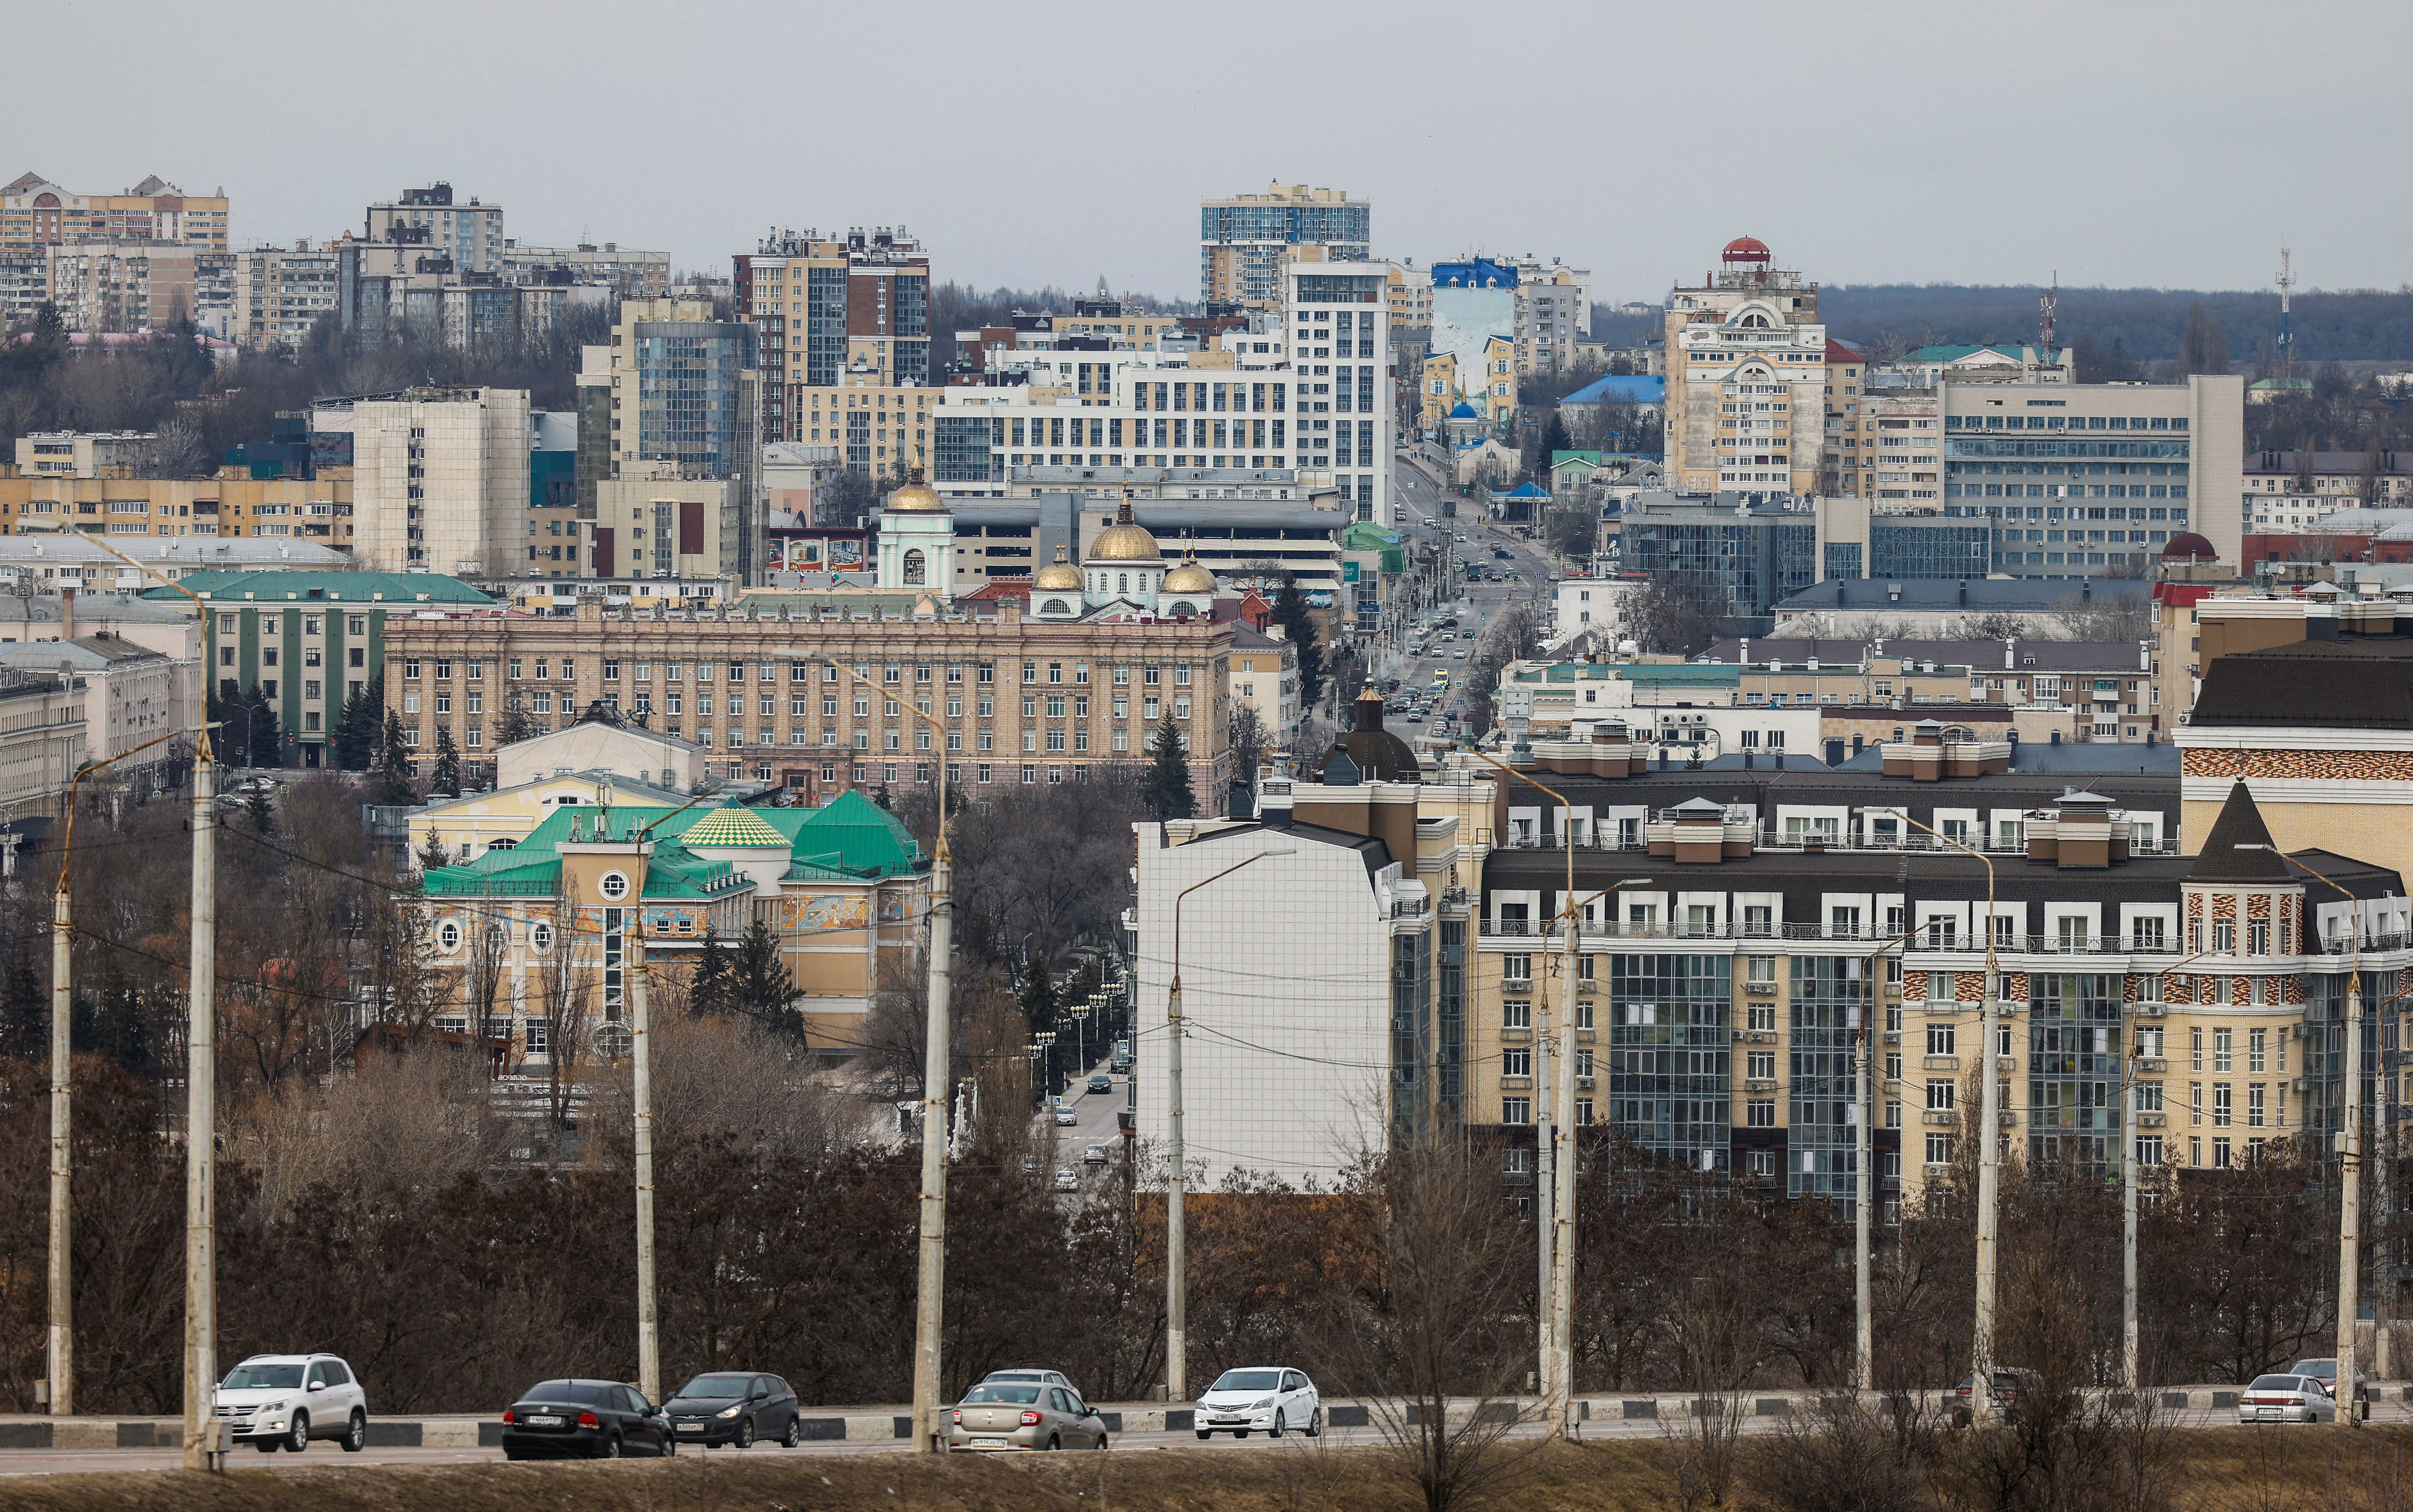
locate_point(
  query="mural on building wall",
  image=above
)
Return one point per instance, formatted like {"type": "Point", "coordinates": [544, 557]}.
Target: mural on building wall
{"type": "Point", "coordinates": [847, 557]}
{"type": "Point", "coordinates": [823, 911]}
{"type": "Point", "coordinates": [891, 908]}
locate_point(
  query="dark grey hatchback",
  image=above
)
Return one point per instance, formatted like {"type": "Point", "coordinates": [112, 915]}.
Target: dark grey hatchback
{"type": "Point", "coordinates": [734, 1407]}
{"type": "Point", "coordinates": [584, 1419]}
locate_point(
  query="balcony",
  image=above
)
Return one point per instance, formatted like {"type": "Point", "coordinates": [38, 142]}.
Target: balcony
{"type": "Point", "coordinates": [2150, 1066]}
{"type": "Point", "coordinates": [1759, 1084]}
{"type": "Point", "coordinates": [1754, 1036]}
{"type": "Point", "coordinates": [1760, 988]}
{"type": "Point", "coordinates": [2150, 1121]}
{"type": "Point", "coordinates": [1516, 1084]}
{"type": "Point", "coordinates": [1940, 1063]}
{"type": "Point", "coordinates": [1938, 1116]}
{"type": "Point", "coordinates": [1515, 1036]}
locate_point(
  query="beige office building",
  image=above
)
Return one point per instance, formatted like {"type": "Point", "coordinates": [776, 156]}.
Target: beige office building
{"type": "Point", "coordinates": [439, 479]}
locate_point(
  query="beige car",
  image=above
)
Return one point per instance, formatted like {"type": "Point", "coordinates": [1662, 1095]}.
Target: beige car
{"type": "Point", "coordinates": [1025, 1414]}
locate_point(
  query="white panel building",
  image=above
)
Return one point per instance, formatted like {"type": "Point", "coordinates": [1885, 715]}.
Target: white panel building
{"type": "Point", "coordinates": [1287, 974]}
{"type": "Point", "coordinates": [439, 479]}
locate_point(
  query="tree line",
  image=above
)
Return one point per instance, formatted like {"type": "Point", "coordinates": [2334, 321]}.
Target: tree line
{"type": "Point", "coordinates": [2149, 324]}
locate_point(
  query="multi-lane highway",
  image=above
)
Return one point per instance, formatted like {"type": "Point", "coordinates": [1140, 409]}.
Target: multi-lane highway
{"type": "Point", "coordinates": [1479, 602]}
{"type": "Point", "coordinates": [1606, 1421]}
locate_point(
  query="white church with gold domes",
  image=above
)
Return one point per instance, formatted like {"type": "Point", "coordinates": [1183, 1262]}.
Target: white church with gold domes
{"type": "Point", "coordinates": [1127, 576]}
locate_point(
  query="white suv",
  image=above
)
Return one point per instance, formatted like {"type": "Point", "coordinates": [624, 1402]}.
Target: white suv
{"type": "Point", "coordinates": [284, 1400]}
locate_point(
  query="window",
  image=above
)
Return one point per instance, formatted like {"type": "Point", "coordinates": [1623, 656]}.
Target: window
{"type": "Point", "coordinates": [1517, 967]}
{"type": "Point", "coordinates": [1941, 1091]}
{"type": "Point", "coordinates": [1760, 1065]}
{"type": "Point", "coordinates": [614, 885]}
{"type": "Point", "coordinates": [1759, 1113]}
{"type": "Point", "coordinates": [1939, 1149]}
{"type": "Point", "coordinates": [1516, 1110]}
{"type": "Point", "coordinates": [2221, 1051]}
{"type": "Point", "coordinates": [1940, 1039]}
{"type": "Point", "coordinates": [1517, 1062]}
{"type": "Point", "coordinates": [1517, 1013]}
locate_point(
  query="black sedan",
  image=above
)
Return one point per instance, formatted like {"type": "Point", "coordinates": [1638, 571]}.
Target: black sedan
{"type": "Point", "coordinates": [734, 1407]}
{"type": "Point", "coordinates": [584, 1419]}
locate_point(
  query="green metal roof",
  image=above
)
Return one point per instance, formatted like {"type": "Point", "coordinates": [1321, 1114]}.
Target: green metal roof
{"type": "Point", "coordinates": [852, 839]}
{"type": "Point", "coordinates": [347, 587]}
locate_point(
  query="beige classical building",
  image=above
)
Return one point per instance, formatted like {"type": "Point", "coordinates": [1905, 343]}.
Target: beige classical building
{"type": "Point", "coordinates": [1746, 378]}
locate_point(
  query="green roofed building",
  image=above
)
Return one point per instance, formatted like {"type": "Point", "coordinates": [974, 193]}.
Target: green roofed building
{"type": "Point", "coordinates": [308, 641]}
{"type": "Point", "coordinates": [843, 889]}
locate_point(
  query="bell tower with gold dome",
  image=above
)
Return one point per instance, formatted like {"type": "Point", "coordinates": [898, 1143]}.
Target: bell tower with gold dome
{"type": "Point", "coordinates": [917, 541]}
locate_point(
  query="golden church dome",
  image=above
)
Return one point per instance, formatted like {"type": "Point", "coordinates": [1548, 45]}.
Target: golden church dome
{"type": "Point", "coordinates": [1189, 577]}
{"type": "Point", "coordinates": [1059, 576]}
{"type": "Point", "coordinates": [1125, 540]}
{"type": "Point", "coordinates": [915, 497]}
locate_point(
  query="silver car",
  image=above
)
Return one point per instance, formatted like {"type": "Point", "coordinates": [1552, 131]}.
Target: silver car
{"type": "Point", "coordinates": [1023, 1414]}
{"type": "Point", "coordinates": [2286, 1399]}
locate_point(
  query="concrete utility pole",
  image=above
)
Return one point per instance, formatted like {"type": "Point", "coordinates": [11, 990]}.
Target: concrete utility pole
{"type": "Point", "coordinates": [1989, 1145]}
{"type": "Point", "coordinates": [640, 1063]}
{"type": "Point", "coordinates": [2349, 1147]}
{"type": "Point", "coordinates": [203, 1435]}
{"type": "Point", "coordinates": [60, 1381]}
{"type": "Point", "coordinates": [930, 1280]}
{"type": "Point", "coordinates": [1864, 1096]}
{"type": "Point", "coordinates": [1177, 1247]}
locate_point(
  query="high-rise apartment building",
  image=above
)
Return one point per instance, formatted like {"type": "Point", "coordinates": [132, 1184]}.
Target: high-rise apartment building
{"type": "Point", "coordinates": [1246, 242]}
{"type": "Point", "coordinates": [439, 479]}
{"type": "Point", "coordinates": [1269, 397]}
{"type": "Point", "coordinates": [139, 286]}
{"type": "Point", "coordinates": [35, 211]}
{"type": "Point", "coordinates": [428, 221]}
{"type": "Point", "coordinates": [851, 310]}
{"type": "Point", "coordinates": [676, 395]}
{"type": "Point", "coordinates": [279, 295]}
{"type": "Point", "coordinates": [1746, 378]}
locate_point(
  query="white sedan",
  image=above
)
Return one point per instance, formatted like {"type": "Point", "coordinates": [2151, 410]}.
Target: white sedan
{"type": "Point", "coordinates": [1270, 1397]}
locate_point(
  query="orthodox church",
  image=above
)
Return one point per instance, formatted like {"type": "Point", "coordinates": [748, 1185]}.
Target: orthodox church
{"type": "Point", "coordinates": [1127, 576]}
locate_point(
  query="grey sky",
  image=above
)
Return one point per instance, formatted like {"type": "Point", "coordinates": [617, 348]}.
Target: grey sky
{"type": "Point", "coordinates": [2118, 142]}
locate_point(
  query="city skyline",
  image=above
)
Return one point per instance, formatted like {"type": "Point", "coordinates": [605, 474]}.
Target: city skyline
{"type": "Point", "coordinates": [2185, 205]}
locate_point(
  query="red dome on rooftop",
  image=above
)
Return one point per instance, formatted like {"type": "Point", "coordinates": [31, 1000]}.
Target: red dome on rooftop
{"type": "Point", "coordinates": [2188, 545]}
{"type": "Point", "coordinates": [1746, 249]}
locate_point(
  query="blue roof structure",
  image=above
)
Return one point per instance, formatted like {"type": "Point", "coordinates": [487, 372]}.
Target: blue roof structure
{"type": "Point", "coordinates": [1525, 491]}
{"type": "Point", "coordinates": [1464, 411]}
{"type": "Point", "coordinates": [1636, 388]}
{"type": "Point", "coordinates": [1474, 273]}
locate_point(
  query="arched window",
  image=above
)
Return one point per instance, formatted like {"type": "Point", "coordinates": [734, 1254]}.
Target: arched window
{"type": "Point", "coordinates": [1183, 610]}
{"type": "Point", "coordinates": [1755, 323]}
{"type": "Point", "coordinates": [1122, 582]}
{"type": "Point", "coordinates": [540, 937]}
{"type": "Point", "coordinates": [914, 567]}
{"type": "Point", "coordinates": [448, 937]}
{"type": "Point", "coordinates": [614, 885]}
{"type": "Point", "coordinates": [1054, 606]}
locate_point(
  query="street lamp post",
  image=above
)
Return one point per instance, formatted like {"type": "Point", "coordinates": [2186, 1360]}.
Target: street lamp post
{"type": "Point", "coordinates": [1176, 1282]}
{"type": "Point", "coordinates": [1981, 1342]}
{"type": "Point", "coordinates": [61, 1363]}
{"type": "Point", "coordinates": [1864, 1095]}
{"type": "Point", "coordinates": [2349, 1150]}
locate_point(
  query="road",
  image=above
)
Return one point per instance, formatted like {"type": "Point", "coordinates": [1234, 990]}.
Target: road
{"type": "Point", "coordinates": [1479, 603]}
{"type": "Point", "coordinates": [79, 1462]}
{"type": "Point", "coordinates": [1098, 1125]}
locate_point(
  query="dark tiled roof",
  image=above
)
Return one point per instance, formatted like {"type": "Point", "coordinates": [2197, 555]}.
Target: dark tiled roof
{"type": "Point", "coordinates": [2240, 847]}
{"type": "Point", "coordinates": [2362, 682]}
{"type": "Point", "coordinates": [1994, 658]}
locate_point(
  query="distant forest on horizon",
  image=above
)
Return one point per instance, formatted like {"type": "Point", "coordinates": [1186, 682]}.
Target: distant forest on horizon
{"type": "Point", "coordinates": [2342, 325]}
{"type": "Point", "coordinates": [2352, 325]}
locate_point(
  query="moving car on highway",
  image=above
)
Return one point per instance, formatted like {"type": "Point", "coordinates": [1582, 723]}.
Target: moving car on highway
{"type": "Point", "coordinates": [584, 1419]}
{"type": "Point", "coordinates": [283, 1402]}
{"type": "Point", "coordinates": [1023, 1410]}
{"type": "Point", "coordinates": [1272, 1399]}
{"type": "Point", "coordinates": [734, 1407]}
{"type": "Point", "coordinates": [2286, 1399]}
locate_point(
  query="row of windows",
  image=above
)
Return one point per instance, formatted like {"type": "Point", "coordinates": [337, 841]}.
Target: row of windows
{"type": "Point", "coordinates": [474, 670]}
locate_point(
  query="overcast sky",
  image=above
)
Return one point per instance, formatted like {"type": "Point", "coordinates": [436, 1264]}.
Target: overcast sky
{"type": "Point", "coordinates": [2119, 143]}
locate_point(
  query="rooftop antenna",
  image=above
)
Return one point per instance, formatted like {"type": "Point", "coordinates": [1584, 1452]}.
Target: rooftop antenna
{"type": "Point", "coordinates": [2050, 296]}
{"type": "Point", "coordinates": [2286, 327]}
